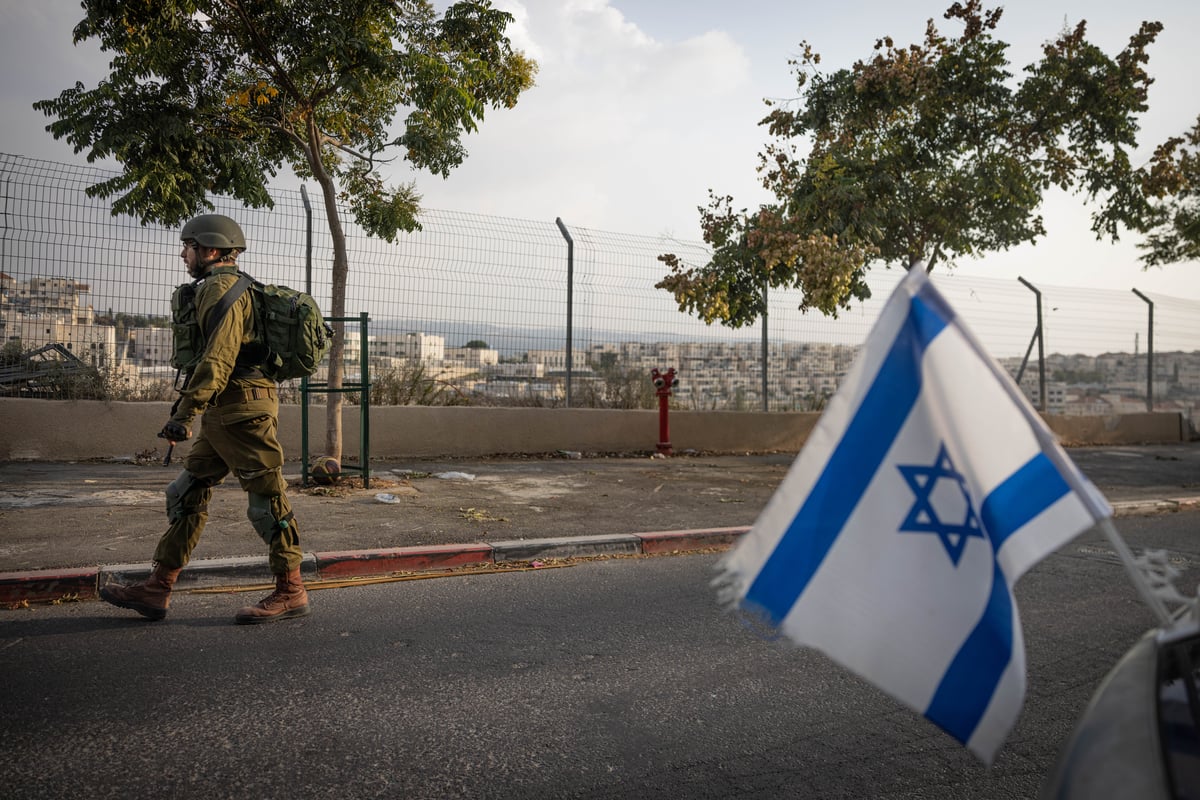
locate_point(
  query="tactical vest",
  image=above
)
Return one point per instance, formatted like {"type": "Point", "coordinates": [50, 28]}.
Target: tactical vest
{"type": "Point", "coordinates": [189, 340]}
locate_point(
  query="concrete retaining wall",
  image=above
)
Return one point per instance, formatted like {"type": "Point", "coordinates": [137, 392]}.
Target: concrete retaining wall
{"type": "Point", "coordinates": [65, 430]}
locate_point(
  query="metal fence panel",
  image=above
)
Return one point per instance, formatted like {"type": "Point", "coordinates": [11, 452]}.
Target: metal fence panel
{"type": "Point", "coordinates": [502, 282]}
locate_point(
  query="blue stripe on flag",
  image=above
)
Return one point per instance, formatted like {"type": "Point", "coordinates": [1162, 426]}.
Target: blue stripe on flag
{"type": "Point", "coordinates": [1026, 493]}
{"type": "Point", "coordinates": [968, 685]}
{"type": "Point", "coordinates": [966, 689]}
{"type": "Point", "coordinates": [852, 464]}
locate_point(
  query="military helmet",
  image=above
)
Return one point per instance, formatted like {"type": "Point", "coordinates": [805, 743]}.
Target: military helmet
{"type": "Point", "coordinates": [214, 230]}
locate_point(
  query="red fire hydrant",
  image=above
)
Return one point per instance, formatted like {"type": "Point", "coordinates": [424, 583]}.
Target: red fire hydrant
{"type": "Point", "coordinates": [664, 382]}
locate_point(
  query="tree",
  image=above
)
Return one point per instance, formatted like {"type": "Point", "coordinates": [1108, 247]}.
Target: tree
{"type": "Point", "coordinates": [1173, 179]}
{"type": "Point", "coordinates": [13, 352]}
{"type": "Point", "coordinates": [214, 97]}
{"type": "Point", "coordinates": [924, 153]}
{"type": "Point", "coordinates": [476, 344]}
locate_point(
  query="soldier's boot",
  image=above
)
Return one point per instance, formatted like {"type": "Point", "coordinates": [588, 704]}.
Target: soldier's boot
{"type": "Point", "coordinates": [290, 599]}
{"type": "Point", "coordinates": [150, 599]}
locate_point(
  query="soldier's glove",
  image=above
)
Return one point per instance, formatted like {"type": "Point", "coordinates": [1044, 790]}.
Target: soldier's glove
{"type": "Point", "coordinates": [175, 432]}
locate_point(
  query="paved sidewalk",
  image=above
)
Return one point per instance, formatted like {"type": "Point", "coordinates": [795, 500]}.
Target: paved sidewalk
{"type": "Point", "coordinates": [66, 529]}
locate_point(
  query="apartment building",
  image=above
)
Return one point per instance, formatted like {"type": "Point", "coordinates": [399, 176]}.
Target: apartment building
{"type": "Point", "coordinates": [152, 347]}
{"type": "Point", "coordinates": [95, 345]}
{"type": "Point", "coordinates": [421, 347]}
{"type": "Point", "coordinates": [471, 358]}
{"type": "Point", "coordinates": [43, 311]}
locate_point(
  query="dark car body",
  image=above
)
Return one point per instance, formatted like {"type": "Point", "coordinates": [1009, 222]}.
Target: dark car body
{"type": "Point", "coordinates": [1139, 737]}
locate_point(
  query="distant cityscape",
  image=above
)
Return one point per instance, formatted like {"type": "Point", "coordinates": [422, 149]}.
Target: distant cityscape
{"type": "Point", "coordinates": [49, 311]}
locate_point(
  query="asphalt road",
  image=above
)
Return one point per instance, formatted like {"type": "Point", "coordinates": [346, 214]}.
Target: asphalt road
{"type": "Point", "coordinates": [610, 679]}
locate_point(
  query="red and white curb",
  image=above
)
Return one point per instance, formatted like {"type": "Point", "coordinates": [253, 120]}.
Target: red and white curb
{"type": "Point", "coordinates": [47, 585]}
{"type": "Point", "coordinates": [83, 584]}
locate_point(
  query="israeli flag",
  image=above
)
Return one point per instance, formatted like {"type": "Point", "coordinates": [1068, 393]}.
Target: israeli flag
{"type": "Point", "coordinates": [926, 490]}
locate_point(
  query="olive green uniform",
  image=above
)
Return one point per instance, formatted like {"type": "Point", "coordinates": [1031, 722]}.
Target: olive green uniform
{"type": "Point", "coordinates": [240, 410]}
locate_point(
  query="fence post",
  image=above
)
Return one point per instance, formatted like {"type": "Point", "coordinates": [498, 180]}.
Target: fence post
{"type": "Point", "coordinates": [1149, 352]}
{"type": "Point", "coordinates": [1038, 334]}
{"type": "Point", "coordinates": [570, 297]}
{"type": "Point", "coordinates": [766, 348]}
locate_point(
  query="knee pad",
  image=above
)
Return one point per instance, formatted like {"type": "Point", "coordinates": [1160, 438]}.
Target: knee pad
{"type": "Point", "coordinates": [264, 513]}
{"type": "Point", "coordinates": [187, 495]}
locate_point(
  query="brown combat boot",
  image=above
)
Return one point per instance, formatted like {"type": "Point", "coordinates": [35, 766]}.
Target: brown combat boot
{"type": "Point", "coordinates": [288, 600]}
{"type": "Point", "coordinates": [150, 599]}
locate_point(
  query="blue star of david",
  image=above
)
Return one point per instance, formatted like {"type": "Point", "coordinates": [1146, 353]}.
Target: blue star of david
{"type": "Point", "coordinates": [924, 518]}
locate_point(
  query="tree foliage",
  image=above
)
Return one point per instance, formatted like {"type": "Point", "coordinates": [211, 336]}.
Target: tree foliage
{"type": "Point", "coordinates": [925, 153]}
{"type": "Point", "coordinates": [215, 97]}
{"type": "Point", "coordinates": [1173, 181]}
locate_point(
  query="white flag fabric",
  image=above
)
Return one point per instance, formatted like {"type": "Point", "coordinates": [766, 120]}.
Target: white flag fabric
{"type": "Point", "coordinates": [925, 491]}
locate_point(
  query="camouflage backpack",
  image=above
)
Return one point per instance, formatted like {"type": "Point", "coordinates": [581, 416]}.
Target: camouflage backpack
{"type": "Point", "coordinates": [291, 336]}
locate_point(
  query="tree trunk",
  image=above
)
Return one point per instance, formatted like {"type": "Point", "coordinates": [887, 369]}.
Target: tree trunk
{"type": "Point", "coordinates": [341, 267]}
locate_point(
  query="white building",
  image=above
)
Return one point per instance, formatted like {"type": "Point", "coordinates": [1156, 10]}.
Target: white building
{"type": "Point", "coordinates": [520, 369]}
{"type": "Point", "coordinates": [556, 360]}
{"type": "Point", "coordinates": [153, 347]}
{"type": "Point", "coordinates": [95, 345]}
{"type": "Point", "coordinates": [471, 358]}
{"type": "Point", "coordinates": [421, 347]}
{"type": "Point", "coordinates": [58, 297]}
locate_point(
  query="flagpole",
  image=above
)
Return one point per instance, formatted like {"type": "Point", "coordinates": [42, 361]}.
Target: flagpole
{"type": "Point", "coordinates": [1114, 538]}
{"type": "Point", "coordinates": [1135, 572]}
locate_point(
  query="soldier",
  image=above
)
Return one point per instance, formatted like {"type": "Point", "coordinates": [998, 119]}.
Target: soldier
{"type": "Point", "coordinates": [239, 408]}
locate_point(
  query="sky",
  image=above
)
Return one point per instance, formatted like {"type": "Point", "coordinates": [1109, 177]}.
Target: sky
{"type": "Point", "coordinates": [642, 106]}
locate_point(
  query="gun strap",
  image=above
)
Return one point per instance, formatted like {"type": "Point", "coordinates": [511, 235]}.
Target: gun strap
{"type": "Point", "coordinates": [224, 304]}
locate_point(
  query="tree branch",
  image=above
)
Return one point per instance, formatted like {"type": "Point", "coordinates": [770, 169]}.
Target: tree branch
{"type": "Point", "coordinates": [265, 53]}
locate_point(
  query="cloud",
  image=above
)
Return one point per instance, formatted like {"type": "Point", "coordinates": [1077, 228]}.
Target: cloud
{"type": "Point", "coordinates": [39, 61]}
{"type": "Point", "coordinates": [623, 131]}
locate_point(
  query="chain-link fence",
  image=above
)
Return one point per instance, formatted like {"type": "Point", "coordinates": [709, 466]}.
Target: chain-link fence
{"type": "Point", "coordinates": [480, 309]}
